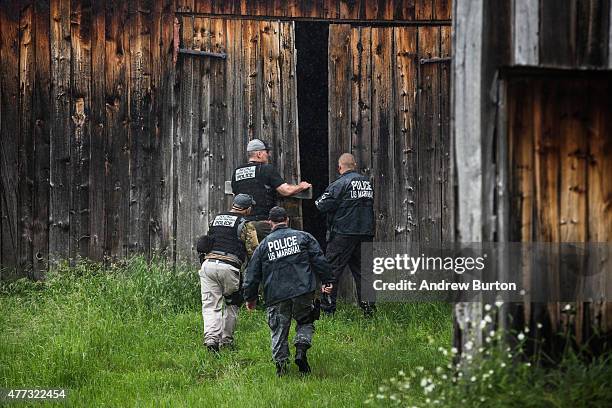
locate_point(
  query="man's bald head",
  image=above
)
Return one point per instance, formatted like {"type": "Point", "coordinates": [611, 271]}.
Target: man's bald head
{"type": "Point", "coordinates": [346, 162]}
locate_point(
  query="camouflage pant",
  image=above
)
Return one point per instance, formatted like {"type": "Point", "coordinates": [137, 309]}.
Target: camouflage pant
{"type": "Point", "coordinates": [279, 320]}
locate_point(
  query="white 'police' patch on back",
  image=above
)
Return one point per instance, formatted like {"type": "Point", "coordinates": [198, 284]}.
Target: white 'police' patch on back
{"type": "Point", "coordinates": [361, 189]}
{"type": "Point", "coordinates": [245, 173]}
{"type": "Point", "coordinates": [279, 248]}
{"type": "Point", "coordinates": [224, 221]}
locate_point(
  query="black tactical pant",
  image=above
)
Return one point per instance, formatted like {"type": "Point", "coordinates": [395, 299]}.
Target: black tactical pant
{"type": "Point", "coordinates": [279, 320]}
{"type": "Point", "coordinates": [343, 251]}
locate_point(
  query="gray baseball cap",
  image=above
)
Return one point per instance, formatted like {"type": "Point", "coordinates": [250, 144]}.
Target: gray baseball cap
{"type": "Point", "coordinates": [256, 145]}
{"type": "Point", "coordinates": [243, 201]}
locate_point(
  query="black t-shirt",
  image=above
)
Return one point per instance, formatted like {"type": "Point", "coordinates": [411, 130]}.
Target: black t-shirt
{"type": "Point", "coordinates": [270, 176]}
{"type": "Point", "coordinates": [260, 181]}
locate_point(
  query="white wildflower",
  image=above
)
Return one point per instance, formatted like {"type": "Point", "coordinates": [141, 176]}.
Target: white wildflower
{"type": "Point", "coordinates": [487, 307]}
{"type": "Point", "coordinates": [454, 350]}
{"type": "Point", "coordinates": [539, 325]}
{"type": "Point", "coordinates": [502, 365]}
{"type": "Point", "coordinates": [469, 345]}
{"type": "Point", "coordinates": [521, 336]}
{"type": "Point", "coordinates": [567, 307]}
{"type": "Point", "coordinates": [473, 379]}
{"type": "Point", "coordinates": [488, 319]}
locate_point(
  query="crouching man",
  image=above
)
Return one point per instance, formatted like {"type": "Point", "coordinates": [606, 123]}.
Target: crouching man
{"type": "Point", "coordinates": [287, 263]}
{"type": "Point", "coordinates": [231, 240]}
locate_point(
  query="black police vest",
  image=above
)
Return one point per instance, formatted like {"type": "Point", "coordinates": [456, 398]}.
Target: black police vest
{"type": "Point", "coordinates": [224, 230]}
{"type": "Point", "coordinates": [247, 179]}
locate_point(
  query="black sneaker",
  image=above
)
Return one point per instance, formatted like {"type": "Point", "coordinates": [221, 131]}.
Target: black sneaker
{"type": "Point", "coordinates": [281, 369]}
{"type": "Point", "coordinates": [301, 360]}
{"type": "Point", "coordinates": [213, 347]}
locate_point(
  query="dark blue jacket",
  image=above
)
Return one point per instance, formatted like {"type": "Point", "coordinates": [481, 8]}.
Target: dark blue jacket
{"type": "Point", "coordinates": [349, 205]}
{"type": "Point", "coordinates": [287, 262]}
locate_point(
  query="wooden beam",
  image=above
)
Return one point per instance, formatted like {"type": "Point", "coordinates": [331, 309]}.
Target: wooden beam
{"type": "Point", "coordinates": [526, 15]}
{"type": "Point", "coordinates": [466, 116]}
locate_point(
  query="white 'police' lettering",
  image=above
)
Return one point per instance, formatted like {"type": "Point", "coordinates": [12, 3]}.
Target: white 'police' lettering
{"type": "Point", "coordinates": [225, 221]}
{"type": "Point", "coordinates": [245, 173]}
{"type": "Point", "coordinates": [282, 247]}
{"type": "Point", "coordinates": [361, 189]}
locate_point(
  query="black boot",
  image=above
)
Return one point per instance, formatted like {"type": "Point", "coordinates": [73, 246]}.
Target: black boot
{"type": "Point", "coordinates": [213, 347]}
{"type": "Point", "coordinates": [281, 369]}
{"type": "Point", "coordinates": [368, 309]}
{"type": "Point", "coordinates": [301, 359]}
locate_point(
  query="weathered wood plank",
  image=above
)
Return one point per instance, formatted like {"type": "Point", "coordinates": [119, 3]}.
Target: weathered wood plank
{"type": "Point", "coordinates": [201, 134]}
{"type": "Point", "coordinates": [442, 9]}
{"type": "Point", "coordinates": [205, 6]}
{"type": "Point", "coordinates": [573, 171]}
{"type": "Point", "coordinates": [139, 32]}
{"type": "Point", "coordinates": [404, 10]}
{"type": "Point", "coordinates": [252, 63]}
{"type": "Point", "coordinates": [447, 222]}
{"type": "Point", "coordinates": [523, 117]}
{"type": "Point", "coordinates": [593, 21]}
{"type": "Point", "coordinates": [361, 99]}
{"type": "Point", "coordinates": [97, 215]}
{"type": "Point", "coordinates": [117, 123]}
{"type": "Point", "coordinates": [42, 119]}
{"type": "Point", "coordinates": [429, 144]}
{"type": "Point", "coordinates": [405, 157]}
{"type": "Point", "coordinates": [59, 203]}
{"type": "Point", "coordinates": [378, 9]}
{"type": "Point", "coordinates": [339, 94]}
{"type": "Point", "coordinates": [289, 111]}
{"type": "Point", "coordinates": [219, 129]}
{"type": "Point", "coordinates": [271, 92]}
{"type": "Point", "coordinates": [24, 139]}
{"type": "Point", "coordinates": [526, 19]}
{"type": "Point", "coordinates": [80, 130]}
{"type": "Point", "coordinates": [164, 215]}
{"type": "Point", "coordinates": [9, 94]}
{"type": "Point", "coordinates": [424, 9]}
{"type": "Point", "coordinates": [467, 134]}
{"type": "Point", "coordinates": [183, 152]}
{"type": "Point", "coordinates": [547, 173]}
{"type": "Point", "coordinates": [186, 6]}
{"type": "Point", "coordinates": [599, 192]}
{"type": "Point", "coordinates": [557, 33]}
{"type": "Point", "coordinates": [350, 8]}
{"type": "Point", "coordinates": [383, 132]}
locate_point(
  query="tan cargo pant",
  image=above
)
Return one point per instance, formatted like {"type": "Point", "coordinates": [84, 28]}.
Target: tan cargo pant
{"type": "Point", "coordinates": [218, 279]}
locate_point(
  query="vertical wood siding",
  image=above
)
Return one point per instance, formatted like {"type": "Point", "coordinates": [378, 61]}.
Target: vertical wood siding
{"type": "Point", "coordinates": [223, 104]}
{"type": "Point", "coordinates": [560, 146]}
{"type": "Point", "coordinates": [391, 112]}
{"type": "Point", "coordinates": [85, 158]}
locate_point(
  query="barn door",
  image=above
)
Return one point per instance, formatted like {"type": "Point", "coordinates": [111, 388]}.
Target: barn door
{"type": "Point", "coordinates": [389, 106]}
{"type": "Point", "coordinates": [225, 102]}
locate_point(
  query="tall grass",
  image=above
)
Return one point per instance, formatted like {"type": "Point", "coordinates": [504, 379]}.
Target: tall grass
{"type": "Point", "coordinates": [132, 336]}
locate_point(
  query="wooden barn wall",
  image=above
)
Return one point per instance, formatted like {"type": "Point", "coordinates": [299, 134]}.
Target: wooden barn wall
{"type": "Point", "coordinates": [85, 120]}
{"type": "Point", "coordinates": [402, 10]}
{"type": "Point", "coordinates": [489, 38]}
{"type": "Point", "coordinates": [223, 103]}
{"type": "Point", "coordinates": [560, 153]}
{"type": "Point", "coordinates": [569, 34]}
{"type": "Point", "coordinates": [389, 106]}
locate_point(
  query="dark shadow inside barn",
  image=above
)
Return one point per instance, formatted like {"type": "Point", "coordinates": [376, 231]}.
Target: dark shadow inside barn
{"type": "Point", "coordinates": [311, 44]}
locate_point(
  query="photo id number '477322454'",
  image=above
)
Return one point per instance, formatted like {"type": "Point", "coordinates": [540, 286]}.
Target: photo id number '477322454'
{"type": "Point", "coordinates": [12, 394]}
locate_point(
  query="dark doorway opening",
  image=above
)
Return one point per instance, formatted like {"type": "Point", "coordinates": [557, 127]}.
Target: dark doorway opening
{"type": "Point", "coordinates": [311, 42]}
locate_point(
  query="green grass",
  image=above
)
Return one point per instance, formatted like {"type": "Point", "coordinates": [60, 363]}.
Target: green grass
{"type": "Point", "coordinates": [132, 336]}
